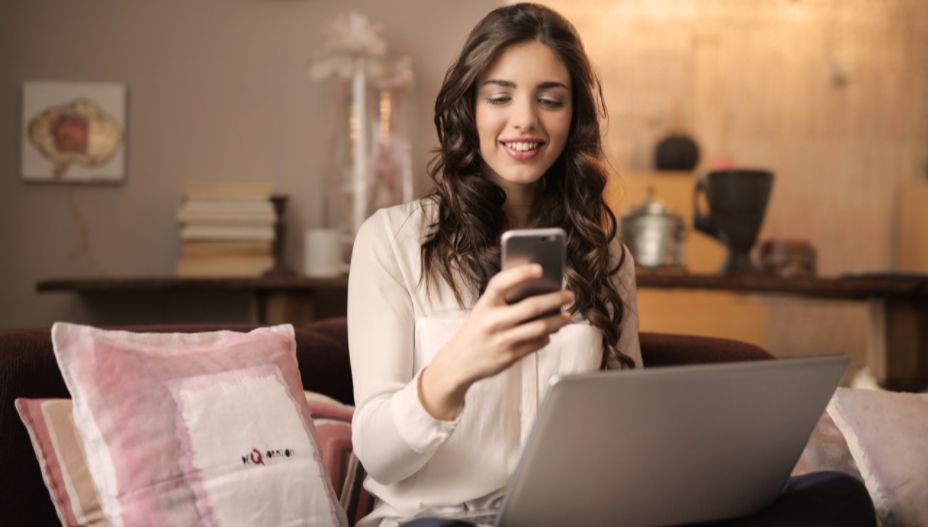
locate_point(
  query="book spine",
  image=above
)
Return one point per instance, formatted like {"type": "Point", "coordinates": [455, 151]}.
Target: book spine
{"type": "Point", "coordinates": [226, 232]}
{"type": "Point", "coordinates": [229, 191]}
{"type": "Point", "coordinates": [223, 266]}
{"type": "Point", "coordinates": [224, 218]}
{"type": "Point", "coordinates": [250, 206]}
{"type": "Point", "coordinates": [208, 249]}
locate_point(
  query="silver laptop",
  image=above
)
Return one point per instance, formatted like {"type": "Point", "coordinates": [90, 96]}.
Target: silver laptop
{"type": "Point", "coordinates": [664, 446]}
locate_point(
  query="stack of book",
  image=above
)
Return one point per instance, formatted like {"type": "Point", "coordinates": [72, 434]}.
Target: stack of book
{"type": "Point", "coordinates": [226, 230]}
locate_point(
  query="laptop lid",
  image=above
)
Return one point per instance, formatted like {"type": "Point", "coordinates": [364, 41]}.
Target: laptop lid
{"type": "Point", "coordinates": [664, 446]}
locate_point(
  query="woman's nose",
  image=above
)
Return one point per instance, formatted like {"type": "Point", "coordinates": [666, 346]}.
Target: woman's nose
{"type": "Point", "coordinates": [524, 116]}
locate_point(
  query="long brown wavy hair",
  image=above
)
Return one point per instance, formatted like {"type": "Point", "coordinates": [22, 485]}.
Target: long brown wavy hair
{"type": "Point", "coordinates": [463, 245]}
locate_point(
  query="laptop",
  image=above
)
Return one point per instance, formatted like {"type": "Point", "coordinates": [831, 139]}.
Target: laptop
{"type": "Point", "coordinates": [665, 446]}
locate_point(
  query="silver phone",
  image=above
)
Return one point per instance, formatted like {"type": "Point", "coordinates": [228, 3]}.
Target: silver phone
{"type": "Point", "coordinates": [545, 247]}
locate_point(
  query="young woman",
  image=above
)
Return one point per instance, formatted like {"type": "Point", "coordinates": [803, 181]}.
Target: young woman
{"type": "Point", "coordinates": [448, 376]}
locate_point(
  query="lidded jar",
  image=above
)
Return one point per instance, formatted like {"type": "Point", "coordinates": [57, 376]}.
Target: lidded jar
{"type": "Point", "coordinates": [654, 233]}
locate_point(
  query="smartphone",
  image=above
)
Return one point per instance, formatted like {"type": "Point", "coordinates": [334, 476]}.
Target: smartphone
{"type": "Point", "coordinates": [542, 246]}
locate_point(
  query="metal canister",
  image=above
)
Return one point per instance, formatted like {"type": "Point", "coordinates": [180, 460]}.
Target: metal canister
{"type": "Point", "coordinates": [654, 233]}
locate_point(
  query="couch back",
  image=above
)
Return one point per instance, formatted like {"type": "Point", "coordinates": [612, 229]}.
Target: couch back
{"type": "Point", "coordinates": [28, 369]}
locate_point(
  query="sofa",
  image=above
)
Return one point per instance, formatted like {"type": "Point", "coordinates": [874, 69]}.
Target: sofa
{"type": "Point", "coordinates": [28, 369]}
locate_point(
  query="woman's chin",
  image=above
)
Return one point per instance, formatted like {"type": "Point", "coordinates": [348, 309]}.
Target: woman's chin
{"type": "Point", "coordinates": [520, 177]}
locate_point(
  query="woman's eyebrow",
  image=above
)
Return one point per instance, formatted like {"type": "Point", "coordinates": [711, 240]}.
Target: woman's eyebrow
{"type": "Point", "coordinates": [499, 82]}
{"type": "Point", "coordinates": [546, 85]}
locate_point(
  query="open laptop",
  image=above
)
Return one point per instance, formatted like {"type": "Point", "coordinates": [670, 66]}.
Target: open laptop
{"type": "Point", "coordinates": [665, 446]}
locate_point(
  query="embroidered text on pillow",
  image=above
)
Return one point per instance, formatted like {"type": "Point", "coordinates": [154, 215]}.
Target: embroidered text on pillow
{"type": "Point", "coordinates": [256, 457]}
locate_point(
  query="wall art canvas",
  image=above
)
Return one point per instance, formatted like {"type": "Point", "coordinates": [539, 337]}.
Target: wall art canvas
{"type": "Point", "coordinates": [74, 132]}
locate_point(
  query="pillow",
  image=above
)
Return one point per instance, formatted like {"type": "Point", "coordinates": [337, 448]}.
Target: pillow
{"type": "Point", "coordinates": [64, 467]}
{"type": "Point", "coordinates": [826, 450]}
{"type": "Point", "coordinates": [61, 458]}
{"type": "Point", "coordinates": [196, 428]}
{"type": "Point", "coordinates": [333, 431]}
{"type": "Point", "coordinates": [886, 433]}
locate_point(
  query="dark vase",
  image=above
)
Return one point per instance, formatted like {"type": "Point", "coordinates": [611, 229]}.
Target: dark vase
{"type": "Point", "coordinates": [737, 203]}
{"type": "Point", "coordinates": [279, 269]}
{"type": "Point", "coordinates": [676, 152]}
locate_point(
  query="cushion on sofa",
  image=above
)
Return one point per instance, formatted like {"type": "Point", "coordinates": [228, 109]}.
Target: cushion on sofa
{"type": "Point", "coordinates": [61, 456]}
{"type": "Point", "coordinates": [64, 466]}
{"type": "Point", "coordinates": [196, 428]}
{"type": "Point", "coordinates": [886, 433]}
{"type": "Point", "coordinates": [333, 429]}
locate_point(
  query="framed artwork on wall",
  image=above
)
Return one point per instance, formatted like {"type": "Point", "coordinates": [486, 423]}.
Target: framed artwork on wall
{"type": "Point", "coordinates": [74, 132]}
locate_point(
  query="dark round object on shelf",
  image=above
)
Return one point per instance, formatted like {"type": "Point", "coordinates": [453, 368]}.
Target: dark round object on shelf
{"type": "Point", "coordinates": [676, 152]}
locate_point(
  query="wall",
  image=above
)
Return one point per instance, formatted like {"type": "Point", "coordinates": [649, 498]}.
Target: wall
{"type": "Point", "coordinates": [832, 95]}
{"type": "Point", "coordinates": [217, 91]}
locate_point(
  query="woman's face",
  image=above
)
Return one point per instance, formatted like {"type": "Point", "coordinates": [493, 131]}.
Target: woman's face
{"type": "Point", "coordinates": [523, 112]}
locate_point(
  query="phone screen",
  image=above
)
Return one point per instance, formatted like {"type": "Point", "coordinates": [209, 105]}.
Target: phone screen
{"type": "Point", "coordinates": [542, 246]}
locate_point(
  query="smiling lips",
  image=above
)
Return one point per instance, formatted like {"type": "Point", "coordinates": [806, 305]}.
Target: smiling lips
{"type": "Point", "coordinates": [523, 149]}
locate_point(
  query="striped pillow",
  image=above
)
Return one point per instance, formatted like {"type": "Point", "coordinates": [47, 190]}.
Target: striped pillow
{"type": "Point", "coordinates": [333, 432]}
{"type": "Point", "coordinates": [61, 457]}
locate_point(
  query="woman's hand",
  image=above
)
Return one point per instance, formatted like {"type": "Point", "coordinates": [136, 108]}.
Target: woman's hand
{"type": "Point", "coordinates": [494, 337]}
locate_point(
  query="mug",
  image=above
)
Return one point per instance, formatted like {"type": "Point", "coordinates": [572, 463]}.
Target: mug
{"type": "Point", "coordinates": [322, 253]}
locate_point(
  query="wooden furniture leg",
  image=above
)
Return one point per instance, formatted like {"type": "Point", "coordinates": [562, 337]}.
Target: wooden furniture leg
{"type": "Point", "coordinates": [897, 347]}
{"type": "Point", "coordinates": [280, 307]}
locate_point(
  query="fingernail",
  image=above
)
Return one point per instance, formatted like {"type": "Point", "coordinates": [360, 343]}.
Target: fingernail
{"type": "Point", "coordinates": [537, 269]}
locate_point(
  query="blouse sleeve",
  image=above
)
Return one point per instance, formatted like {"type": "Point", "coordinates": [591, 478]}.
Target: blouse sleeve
{"type": "Point", "coordinates": [392, 433]}
{"type": "Point", "coordinates": [624, 283]}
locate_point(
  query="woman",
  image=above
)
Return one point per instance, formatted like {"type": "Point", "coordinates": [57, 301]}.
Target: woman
{"type": "Point", "coordinates": [447, 376]}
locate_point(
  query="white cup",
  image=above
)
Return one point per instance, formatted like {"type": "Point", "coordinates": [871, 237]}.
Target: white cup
{"type": "Point", "coordinates": [322, 253]}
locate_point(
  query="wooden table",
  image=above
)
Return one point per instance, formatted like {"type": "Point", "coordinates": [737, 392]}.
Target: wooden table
{"type": "Point", "coordinates": [271, 299]}
{"type": "Point", "coordinates": [897, 336]}
{"type": "Point", "coordinates": [897, 347]}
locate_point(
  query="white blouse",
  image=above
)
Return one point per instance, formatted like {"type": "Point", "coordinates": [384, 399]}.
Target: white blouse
{"type": "Point", "coordinates": [415, 462]}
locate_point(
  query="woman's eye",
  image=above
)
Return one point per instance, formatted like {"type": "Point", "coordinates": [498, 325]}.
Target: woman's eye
{"type": "Point", "coordinates": [551, 103]}
{"type": "Point", "coordinates": [499, 99]}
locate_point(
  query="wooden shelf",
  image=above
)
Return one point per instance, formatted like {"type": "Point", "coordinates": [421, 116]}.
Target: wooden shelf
{"type": "Point", "coordinates": [172, 284]}
{"type": "Point", "coordinates": [897, 352]}
{"type": "Point", "coordinates": [859, 287]}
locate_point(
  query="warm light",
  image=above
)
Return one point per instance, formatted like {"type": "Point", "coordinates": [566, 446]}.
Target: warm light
{"type": "Point", "coordinates": [353, 123]}
{"type": "Point", "coordinates": [384, 117]}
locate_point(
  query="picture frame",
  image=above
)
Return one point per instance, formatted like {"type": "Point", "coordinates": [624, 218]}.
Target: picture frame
{"type": "Point", "coordinates": [73, 132]}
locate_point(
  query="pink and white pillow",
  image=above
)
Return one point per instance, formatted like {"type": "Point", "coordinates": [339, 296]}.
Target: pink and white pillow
{"type": "Point", "coordinates": [200, 428]}
{"type": "Point", "coordinates": [64, 466]}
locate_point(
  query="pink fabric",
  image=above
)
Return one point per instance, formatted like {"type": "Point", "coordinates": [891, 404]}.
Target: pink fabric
{"type": "Point", "coordinates": [333, 431]}
{"type": "Point", "coordinates": [30, 411]}
{"type": "Point", "coordinates": [331, 418]}
{"type": "Point", "coordinates": [127, 408]}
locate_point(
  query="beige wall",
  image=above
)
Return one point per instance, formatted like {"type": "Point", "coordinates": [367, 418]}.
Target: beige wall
{"type": "Point", "coordinates": [217, 91]}
{"type": "Point", "coordinates": [832, 95]}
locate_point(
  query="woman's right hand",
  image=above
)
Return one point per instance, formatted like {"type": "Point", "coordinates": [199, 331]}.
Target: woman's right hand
{"type": "Point", "coordinates": [495, 336]}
